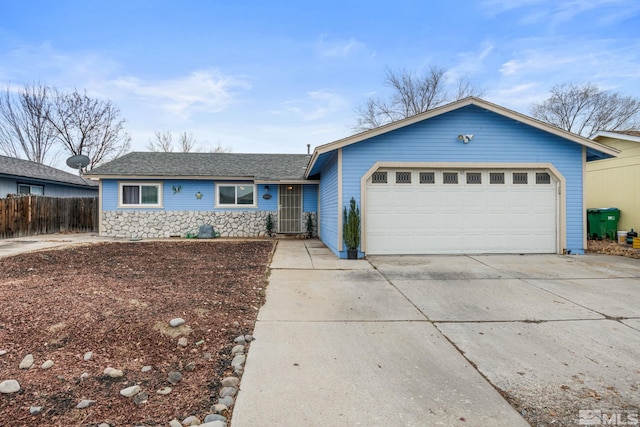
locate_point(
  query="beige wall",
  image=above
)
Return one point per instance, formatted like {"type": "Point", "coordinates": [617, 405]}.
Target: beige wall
{"type": "Point", "coordinates": [616, 182]}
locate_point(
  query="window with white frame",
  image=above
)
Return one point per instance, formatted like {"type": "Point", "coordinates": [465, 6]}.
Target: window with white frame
{"type": "Point", "coordinates": [236, 195]}
{"type": "Point", "coordinates": [31, 189]}
{"type": "Point", "coordinates": [140, 194]}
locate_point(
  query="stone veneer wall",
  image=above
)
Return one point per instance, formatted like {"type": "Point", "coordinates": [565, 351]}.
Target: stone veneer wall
{"type": "Point", "coordinates": [164, 224]}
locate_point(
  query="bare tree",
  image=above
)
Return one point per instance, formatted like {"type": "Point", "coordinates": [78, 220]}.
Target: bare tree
{"type": "Point", "coordinates": [89, 126]}
{"type": "Point", "coordinates": [411, 94]}
{"type": "Point", "coordinates": [221, 149]}
{"type": "Point", "coordinates": [25, 131]}
{"type": "Point", "coordinates": [161, 142]}
{"type": "Point", "coordinates": [585, 109]}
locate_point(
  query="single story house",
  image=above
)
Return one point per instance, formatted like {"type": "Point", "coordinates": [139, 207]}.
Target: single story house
{"type": "Point", "coordinates": [615, 182]}
{"type": "Point", "coordinates": [19, 176]}
{"type": "Point", "coordinates": [467, 177]}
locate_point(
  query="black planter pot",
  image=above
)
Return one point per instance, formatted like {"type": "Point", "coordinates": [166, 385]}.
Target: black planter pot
{"type": "Point", "coordinates": [352, 254]}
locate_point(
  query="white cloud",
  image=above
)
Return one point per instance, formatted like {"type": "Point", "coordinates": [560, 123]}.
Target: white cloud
{"type": "Point", "coordinates": [316, 105]}
{"type": "Point", "coordinates": [339, 48]}
{"type": "Point", "coordinates": [201, 91]}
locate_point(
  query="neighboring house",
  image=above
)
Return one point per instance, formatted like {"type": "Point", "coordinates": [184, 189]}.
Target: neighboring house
{"type": "Point", "coordinates": [19, 176]}
{"type": "Point", "coordinates": [468, 177]}
{"type": "Point", "coordinates": [616, 182]}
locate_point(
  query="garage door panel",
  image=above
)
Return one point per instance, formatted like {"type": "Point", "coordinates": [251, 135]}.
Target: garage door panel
{"type": "Point", "coordinates": [461, 218]}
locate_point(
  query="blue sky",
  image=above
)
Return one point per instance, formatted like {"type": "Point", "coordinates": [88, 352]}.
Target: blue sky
{"type": "Point", "coordinates": [273, 76]}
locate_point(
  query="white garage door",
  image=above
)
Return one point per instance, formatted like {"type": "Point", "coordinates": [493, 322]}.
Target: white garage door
{"type": "Point", "coordinates": [461, 211]}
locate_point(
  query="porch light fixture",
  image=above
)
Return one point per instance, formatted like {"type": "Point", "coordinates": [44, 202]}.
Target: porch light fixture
{"type": "Point", "coordinates": [266, 188]}
{"type": "Point", "coordinates": [198, 195]}
{"type": "Point", "coordinates": [289, 187]}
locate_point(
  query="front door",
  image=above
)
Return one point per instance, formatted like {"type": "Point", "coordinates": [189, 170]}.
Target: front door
{"type": "Point", "coordinates": [290, 209]}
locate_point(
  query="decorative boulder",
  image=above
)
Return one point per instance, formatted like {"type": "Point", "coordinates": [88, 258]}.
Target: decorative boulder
{"type": "Point", "coordinates": [206, 232]}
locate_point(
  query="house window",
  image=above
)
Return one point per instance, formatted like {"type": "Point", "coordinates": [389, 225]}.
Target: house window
{"type": "Point", "coordinates": [427, 177]}
{"type": "Point", "coordinates": [520, 178]}
{"type": "Point", "coordinates": [379, 177]}
{"type": "Point", "coordinates": [450, 177]}
{"type": "Point", "coordinates": [474, 177]}
{"type": "Point", "coordinates": [496, 178]}
{"type": "Point", "coordinates": [236, 195]}
{"type": "Point", "coordinates": [30, 189]}
{"type": "Point", "coordinates": [138, 194]}
{"type": "Point", "coordinates": [543, 178]}
{"type": "Point", "coordinates": [403, 177]}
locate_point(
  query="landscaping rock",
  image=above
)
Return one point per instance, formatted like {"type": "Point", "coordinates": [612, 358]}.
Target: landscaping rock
{"type": "Point", "coordinates": [27, 362]}
{"type": "Point", "coordinates": [228, 391]}
{"type": "Point", "coordinates": [87, 356]}
{"type": "Point", "coordinates": [237, 349]}
{"type": "Point", "coordinates": [174, 377]}
{"type": "Point", "coordinates": [9, 386]}
{"type": "Point", "coordinates": [227, 401]}
{"type": "Point", "coordinates": [220, 408]}
{"type": "Point", "coordinates": [130, 391]}
{"type": "Point", "coordinates": [85, 403]}
{"type": "Point", "coordinates": [35, 410]}
{"type": "Point", "coordinates": [146, 368]}
{"type": "Point", "coordinates": [175, 423]}
{"type": "Point", "coordinates": [191, 421]}
{"type": "Point", "coordinates": [190, 367]}
{"type": "Point", "coordinates": [141, 398]}
{"type": "Point", "coordinates": [104, 425]}
{"type": "Point", "coordinates": [214, 417]}
{"type": "Point", "coordinates": [178, 321]}
{"type": "Point", "coordinates": [3, 352]}
{"type": "Point", "coordinates": [230, 382]}
{"type": "Point", "coordinates": [164, 391]}
{"type": "Point", "coordinates": [182, 342]}
{"type": "Point", "coordinates": [215, 424]}
{"type": "Point", "coordinates": [46, 365]}
{"type": "Point", "coordinates": [113, 373]}
{"type": "Point", "coordinates": [240, 340]}
{"type": "Point", "coordinates": [248, 338]}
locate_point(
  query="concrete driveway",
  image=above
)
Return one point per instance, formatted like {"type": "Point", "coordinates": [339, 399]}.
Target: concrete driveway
{"type": "Point", "coordinates": [429, 340]}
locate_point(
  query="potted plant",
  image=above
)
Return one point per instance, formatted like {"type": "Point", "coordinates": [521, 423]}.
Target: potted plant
{"type": "Point", "coordinates": [351, 229]}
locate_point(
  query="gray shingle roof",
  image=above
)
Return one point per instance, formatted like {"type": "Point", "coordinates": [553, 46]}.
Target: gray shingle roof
{"type": "Point", "coordinates": [268, 167]}
{"type": "Point", "coordinates": [10, 166]}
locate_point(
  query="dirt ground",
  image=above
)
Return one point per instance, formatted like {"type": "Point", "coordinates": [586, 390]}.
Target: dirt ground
{"type": "Point", "coordinates": [610, 247]}
{"type": "Point", "coordinates": [115, 300]}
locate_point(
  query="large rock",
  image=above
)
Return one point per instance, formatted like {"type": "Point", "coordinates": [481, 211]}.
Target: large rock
{"type": "Point", "coordinates": [9, 386]}
{"type": "Point", "coordinates": [27, 362]}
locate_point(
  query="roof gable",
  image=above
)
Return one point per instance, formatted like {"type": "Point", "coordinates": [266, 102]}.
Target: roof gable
{"type": "Point", "coordinates": [595, 149]}
{"type": "Point", "coordinates": [19, 168]}
{"type": "Point", "coordinates": [265, 167]}
{"type": "Point", "coordinates": [625, 135]}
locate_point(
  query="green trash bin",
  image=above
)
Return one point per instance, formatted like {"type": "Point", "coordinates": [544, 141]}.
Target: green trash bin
{"type": "Point", "coordinates": [603, 222]}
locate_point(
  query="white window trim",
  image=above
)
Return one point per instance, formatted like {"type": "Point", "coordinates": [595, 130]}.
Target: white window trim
{"type": "Point", "coordinates": [146, 205]}
{"type": "Point", "coordinates": [236, 206]}
{"type": "Point", "coordinates": [31, 186]}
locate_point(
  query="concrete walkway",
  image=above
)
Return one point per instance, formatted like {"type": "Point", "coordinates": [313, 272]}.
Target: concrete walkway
{"type": "Point", "coordinates": [338, 344]}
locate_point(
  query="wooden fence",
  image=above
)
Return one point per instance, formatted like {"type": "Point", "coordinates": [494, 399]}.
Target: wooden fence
{"type": "Point", "coordinates": [32, 215]}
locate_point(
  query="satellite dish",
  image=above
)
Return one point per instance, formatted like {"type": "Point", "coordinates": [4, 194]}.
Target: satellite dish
{"type": "Point", "coordinates": [78, 162]}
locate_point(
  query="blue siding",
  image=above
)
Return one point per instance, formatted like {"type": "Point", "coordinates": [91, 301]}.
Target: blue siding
{"type": "Point", "coordinates": [185, 200]}
{"type": "Point", "coordinates": [496, 139]}
{"type": "Point", "coordinates": [329, 204]}
{"type": "Point", "coordinates": [310, 198]}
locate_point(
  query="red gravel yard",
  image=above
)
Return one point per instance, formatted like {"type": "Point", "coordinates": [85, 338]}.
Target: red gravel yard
{"type": "Point", "coordinates": [108, 305]}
